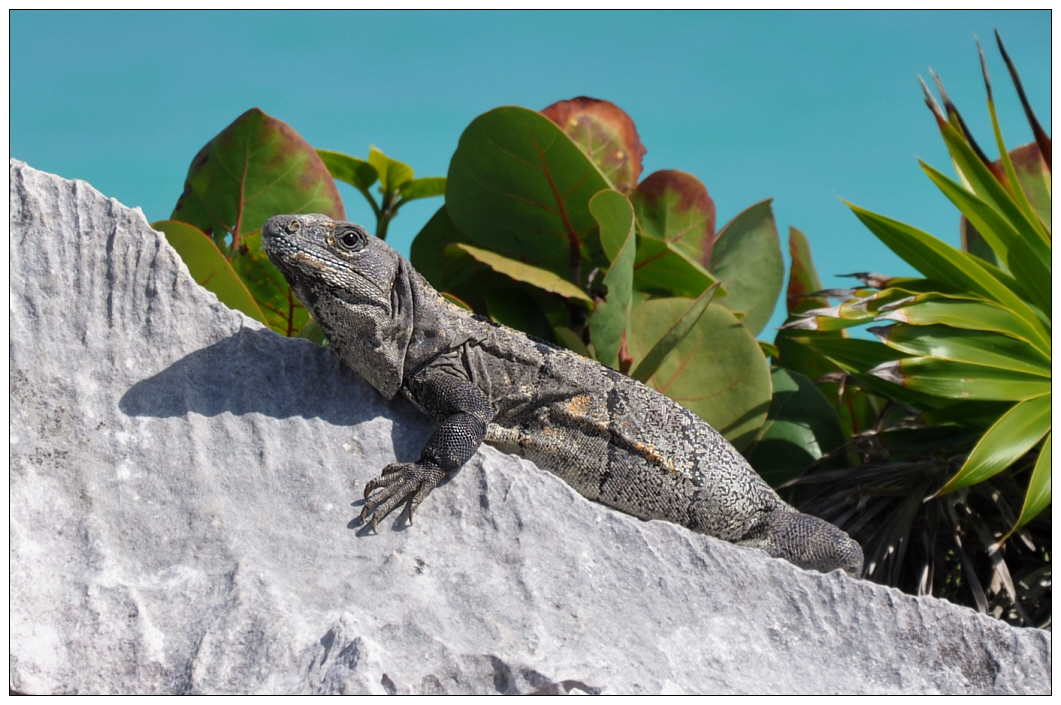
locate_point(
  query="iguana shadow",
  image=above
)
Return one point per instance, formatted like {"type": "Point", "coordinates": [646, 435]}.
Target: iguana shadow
{"type": "Point", "coordinates": [258, 371]}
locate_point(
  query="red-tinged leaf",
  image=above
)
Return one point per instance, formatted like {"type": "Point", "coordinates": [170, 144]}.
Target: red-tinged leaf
{"type": "Point", "coordinates": [605, 133]}
{"type": "Point", "coordinates": [1033, 173]}
{"type": "Point", "coordinates": [659, 267]}
{"type": "Point", "coordinates": [675, 207]}
{"type": "Point", "coordinates": [255, 168]}
{"type": "Point", "coordinates": [803, 279]}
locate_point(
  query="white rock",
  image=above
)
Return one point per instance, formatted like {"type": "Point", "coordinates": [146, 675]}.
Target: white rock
{"type": "Point", "coordinates": [184, 486]}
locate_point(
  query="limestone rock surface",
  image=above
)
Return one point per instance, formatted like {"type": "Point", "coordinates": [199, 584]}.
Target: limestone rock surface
{"type": "Point", "coordinates": [184, 487]}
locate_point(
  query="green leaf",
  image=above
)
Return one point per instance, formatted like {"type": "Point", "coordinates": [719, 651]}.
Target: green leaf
{"type": "Point", "coordinates": [860, 357]}
{"type": "Point", "coordinates": [615, 217]}
{"type": "Point", "coordinates": [455, 301]}
{"type": "Point", "coordinates": [1025, 257]}
{"type": "Point", "coordinates": [209, 267]}
{"type": "Point", "coordinates": [853, 355]}
{"type": "Point", "coordinates": [659, 267]}
{"type": "Point", "coordinates": [769, 349]}
{"type": "Point", "coordinates": [984, 182]}
{"type": "Point", "coordinates": [803, 278]}
{"type": "Point", "coordinates": [974, 413]}
{"type": "Point", "coordinates": [674, 335]}
{"type": "Point", "coordinates": [605, 134]}
{"type": "Point", "coordinates": [393, 174]}
{"type": "Point", "coordinates": [541, 278]}
{"type": "Point", "coordinates": [519, 186]}
{"type": "Point", "coordinates": [931, 309]}
{"type": "Point", "coordinates": [941, 262]}
{"type": "Point", "coordinates": [257, 167]}
{"type": "Point", "coordinates": [747, 260]}
{"type": "Point", "coordinates": [611, 318]}
{"type": "Point", "coordinates": [1013, 435]}
{"type": "Point", "coordinates": [1038, 496]}
{"type": "Point", "coordinates": [973, 346]}
{"type": "Point", "coordinates": [716, 371]}
{"type": "Point", "coordinates": [570, 340]}
{"type": "Point", "coordinates": [674, 207]}
{"type": "Point", "coordinates": [282, 310]}
{"type": "Point", "coordinates": [427, 187]}
{"type": "Point", "coordinates": [801, 426]}
{"type": "Point", "coordinates": [356, 172]}
{"type": "Point", "coordinates": [313, 332]}
{"type": "Point", "coordinates": [1034, 176]}
{"type": "Point", "coordinates": [975, 244]}
{"type": "Point", "coordinates": [511, 306]}
{"type": "Point", "coordinates": [960, 380]}
{"type": "Point", "coordinates": [1014, 187]}
{"type": "Point", "coordinates": [427, 253]}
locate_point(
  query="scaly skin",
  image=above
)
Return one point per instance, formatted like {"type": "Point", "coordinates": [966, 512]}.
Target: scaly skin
{"type": "Point", "coordinates": [610, 437]}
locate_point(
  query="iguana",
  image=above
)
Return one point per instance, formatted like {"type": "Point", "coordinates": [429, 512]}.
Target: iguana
{"type": "Point", "coordinates": [607, 435]}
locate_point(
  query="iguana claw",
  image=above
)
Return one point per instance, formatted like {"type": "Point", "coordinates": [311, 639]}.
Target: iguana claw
{"type": "Point", "coordinates": [398, 482]}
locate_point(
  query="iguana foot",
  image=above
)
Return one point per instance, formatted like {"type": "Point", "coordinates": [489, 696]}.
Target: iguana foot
{"type": "Point", "coordinates": [398, 482]}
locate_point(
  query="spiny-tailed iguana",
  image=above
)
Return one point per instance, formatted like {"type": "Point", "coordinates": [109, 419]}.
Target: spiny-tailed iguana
{"type": "Point", "coordinates": [610, 437]}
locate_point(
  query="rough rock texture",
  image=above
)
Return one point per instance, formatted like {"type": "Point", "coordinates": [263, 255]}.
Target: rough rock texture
{"type": "Point", "coordinates": [184, 486]}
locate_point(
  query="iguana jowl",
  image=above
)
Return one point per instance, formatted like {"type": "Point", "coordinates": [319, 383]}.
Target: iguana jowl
{"type": "Point", "coordinates": [610, 437]}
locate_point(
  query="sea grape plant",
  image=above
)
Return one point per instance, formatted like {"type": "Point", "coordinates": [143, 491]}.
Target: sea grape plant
{"type": "Point", "coordinates": [547, 228]}
{"type": "Point", "coordinates": [255, 168]}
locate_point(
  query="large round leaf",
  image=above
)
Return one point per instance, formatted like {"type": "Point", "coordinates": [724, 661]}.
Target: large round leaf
{"type": "Point", "coordinates": [717, 371]}
{"type": "Point", "coordinates": [747, 259]}
{"type": "Point", "coordinates": [256, 168]}
{"type": "Point", "coordinates": [518, 185]}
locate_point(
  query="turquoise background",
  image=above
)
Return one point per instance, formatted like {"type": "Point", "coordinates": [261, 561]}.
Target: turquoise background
{"type": "Point", "coordinates": [804, 107]}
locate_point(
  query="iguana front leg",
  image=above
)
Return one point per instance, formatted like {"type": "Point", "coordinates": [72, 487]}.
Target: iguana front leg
{"type": "Point", "coordinates": [463, 412]}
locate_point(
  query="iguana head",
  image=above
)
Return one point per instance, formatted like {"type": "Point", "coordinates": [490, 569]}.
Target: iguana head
{"type": "Point", "coordinates": [355, 286]}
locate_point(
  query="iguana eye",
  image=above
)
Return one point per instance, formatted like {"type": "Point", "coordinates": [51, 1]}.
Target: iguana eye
{"type": "Point", "coordinates": [350, 239]}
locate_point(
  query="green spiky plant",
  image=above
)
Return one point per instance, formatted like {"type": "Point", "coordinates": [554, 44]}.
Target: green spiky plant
{"type": "Point", "coordinates": [946, 475]}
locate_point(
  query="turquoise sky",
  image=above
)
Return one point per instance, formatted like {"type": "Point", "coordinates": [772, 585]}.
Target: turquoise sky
{"type": "Point", "coordinates": [806, 108]}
